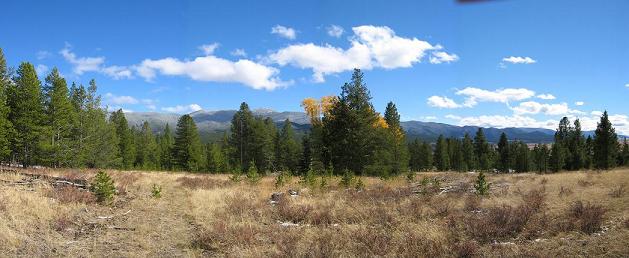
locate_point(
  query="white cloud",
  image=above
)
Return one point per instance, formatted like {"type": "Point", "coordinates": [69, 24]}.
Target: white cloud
{"type": "Point", "coordinates": [499, 121]}
{"type": "Point", "coordinates": [41, 70]}
{"type": "Point", "coordinates": [116, 108]}
{"type": "Point", "coordinates": [627, 85]}
{"type": "Point", "coordinates": [335, 31]}
{"type": "Point", "coordinates": [42, 54]}
{"type": "Point", "coordinates": [94, 64]}
{"type": "Point", "coordinates": [579, 103]}
{"type": "Point", "coordinates": [208, 49]}
{"type": "Point", "coordinates": [475, 95]}
{"type": "Point", "coordinates": [546, 96]}
{"type": "Point", "coordinates": [117, 72]}
{"type": "Point", "coordinates": [442, 102]}
{"type": "Point", "coordinates": [239, 52]}
{"type": "Point", "coordinates": [82, 64]}
{"type": "Point", "coordinates": [182, 109]}
{"type": "Point", "coordinates": [519, 60]}
{"type": "Point", "coordinates": [212, 68]}
{"type": "Point", "coordinates": [532, 107]}
{"type": "Point", "coordinates": [284, 32]}
{"type": "Point", "coordinates": [453, 117]}
{"type": "Point", "coordinates": [439, 57]}
{"type": "Point", "coordinates": [371, 46]}
{"type": "Point", "coordinates": [120, 100]}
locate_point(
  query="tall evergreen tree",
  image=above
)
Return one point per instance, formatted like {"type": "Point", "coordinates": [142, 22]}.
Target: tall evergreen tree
{"type": "Point", "coordinates": [187, 150]}
{"type": "Point", "coordinates": [61, 119]}
{"type": "Point", "coordinates": [576, 147]}
{"type": "Point", "coordinates": [147, 156]}
{"type": "Point", "coordinates": [6, 128]}
{"type": "Point", "coordinates": [589, 153]}
{"type": "Point", "coordinates": [306, 154]}
{"type": "Point", "coordinates": [557, 158]}
{"type": "Point", "coordinates": [289, 148]}
{"type": "Point", "coordinates": [522, 158]}
{"type": "Point", "coordinates": [482, 150]}
{"type": "Point", "coordinates": [541, 156]}
{"type": "Point", "coordinates": [605, 144]}
{"type": "Point", "coordinates": [467, 149]}
{"type": "Point", "coordinates": [242, 137]}
{"type": "Point", "coordinates": [125, 135]}
{"type": "Point", "coordinates": [216, 162]}
{"type": "Point", "coordinates": [349, 127]}
{"type": "Point", "coordinates": [503, 154]}
{"type": "Point", "coordinates": [396, 141]}
{"type": "Point", "coordinates": [26, 114]}
{"type": "Point", "coordinates": [441, 157]}
{"type": "Point", "coordinates": [166, 143]}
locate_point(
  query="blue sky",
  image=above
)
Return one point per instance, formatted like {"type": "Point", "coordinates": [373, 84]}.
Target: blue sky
{"type": "Point", "coordinates": [496, 63]}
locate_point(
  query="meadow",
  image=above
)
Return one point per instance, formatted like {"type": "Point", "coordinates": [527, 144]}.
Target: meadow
{"type": "Point", "coordinates": [435, 214]}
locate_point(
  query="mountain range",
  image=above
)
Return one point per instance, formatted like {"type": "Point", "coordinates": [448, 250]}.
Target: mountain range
{"type": "Point", "coordinates": [213, 124]}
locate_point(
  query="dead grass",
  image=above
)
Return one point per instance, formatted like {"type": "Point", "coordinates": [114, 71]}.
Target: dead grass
{"type": "Point", "coordinates": [565, 214]}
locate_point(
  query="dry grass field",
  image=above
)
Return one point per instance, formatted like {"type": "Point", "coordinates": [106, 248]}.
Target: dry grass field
{"type": "Point", "coordinates": [436, 215]}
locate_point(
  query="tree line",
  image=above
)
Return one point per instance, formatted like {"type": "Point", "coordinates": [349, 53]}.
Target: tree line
{"type": "Point", "coordinates": [50, 124]}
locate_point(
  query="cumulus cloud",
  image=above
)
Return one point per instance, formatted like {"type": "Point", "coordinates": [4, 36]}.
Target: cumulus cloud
{"type": "Point", "coordinates": [371, 46]}
{"type": "Point", "coordinates": [239, 52]}
{"type": "Point", "coordinates": [335, 31]}
{"type": "Point", "coordinates": [284, 32]}
{"type": "Point", "coordinates": [500, 121]}
{"type": "Point", "coordinates": [519, 60]}
{"type": "Point", "coordinates": [208, 49]}
{"type": "Point", "coordinates": [474, 95]}
{"type": "Point", "coordinates": [442, 102]}
{"type": "Point", "coordinates": [182, 109]}
{"type": "Point", "coordinates": [212, 68]}
{"type": "Point", "coordinates": [627, 85]}
{"type": "Point", "coordinates": [119, 100]}
{"type": "Point", "coordinates": [579, 103]}
{"type": "Point", "coordinates": [439, 57]}
{"type": "Point", "coordinates": [94, 64]}
{"type": "Point", "coordinates": [532, 107]}
{"type": "Point", "coordinates": [546, 96]}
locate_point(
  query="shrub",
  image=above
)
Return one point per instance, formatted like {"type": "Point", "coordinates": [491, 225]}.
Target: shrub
{"type": "Point", "coordinates": [564, 191]}
{"type": "Point", "coordinates": [103, 187]}
{"type": "Point", "coordinates": [587, 217]}
{"type": "Point", "coordinates": [481, 185]}
{"type": "Point", "coordinates": [410, 176]}
{"type": "Point", "coordinates": [156, 192]}
{"type": "Point", "coordinates": [360, 185]}
{"type": "Point", "coordinates": [281, 179]}
{"type": "Point", "coordinates": [68, 194]}
{"type": "Point", "coordinates": [347, 179]}
{"type": "Point", "coordinates": [252, 174]}
{"type": "Point", "coordinates": [309, 179]}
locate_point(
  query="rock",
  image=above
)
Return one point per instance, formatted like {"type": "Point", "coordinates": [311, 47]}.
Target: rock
{"type": "Point", "coordinates": [293, 193]}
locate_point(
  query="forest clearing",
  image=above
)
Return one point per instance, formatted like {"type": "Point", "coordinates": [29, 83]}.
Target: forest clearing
{"type": "Point", "coordinates": [433, 214]}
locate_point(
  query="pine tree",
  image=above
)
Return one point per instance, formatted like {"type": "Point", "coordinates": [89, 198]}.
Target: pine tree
{"type": "Point", "coordinates": [6, 128]}
{"type": "Point", "coordinates": [396, 140]}
{"type": "Point", "coordinates": [503, 163]}
{"type": "Point", "coordinates": [100, 142]}
{"type": "Point", "coordinates": [166, 143]}
{"type": "Point", "coordinates": [242, 137]}
{"type": "Point", "coordinates": [187, 150]}
{"type": "Point", "coordinates": [557, 158]}
{"type": "Point", "coordinates": [61, 119]}
{"type": "Point", "coordinates": [349, 133]}
{"type": "Point", "coordinates": [541, 156]}
{"type": "Point", "coordinates": [26, 114]}
{"type": "Point", "coordinates": [289, 148]}
{"type": "Point", "coordinates": [125, 135]}
{"type": "Point", "coordinates": [426, 157]}
{"type": "Point", "coordinates": [625, 153]}
{"type": "Point", "coordinates": [217, 162]}
{"type": "Point", "coordinates": [441, 157]}
{"type": "Point", "coordinates": [605, 144]}
{"type": "Point", "coordinates": [147, 149]}
{"type": "Point", "coordinates": [576, 147]}
{"type": "Point", "coordinates": [467, 149]}
{"type": "Point", "coordinates": [482, 150]}
{"type": "Point", "coordinates": [522, 158]}
{"type": "Point", "coordinates": [306, 154]}
{"type": "Point", "coordinates": [589, 153]}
